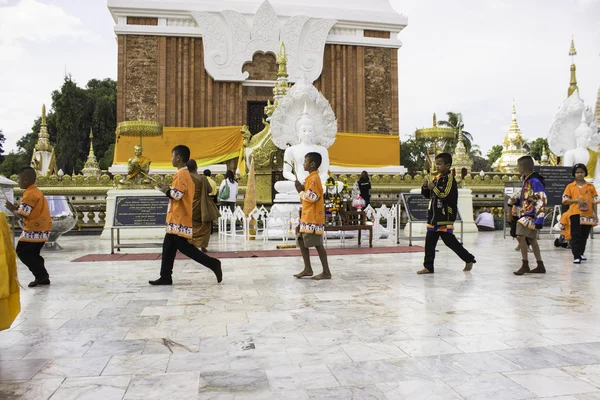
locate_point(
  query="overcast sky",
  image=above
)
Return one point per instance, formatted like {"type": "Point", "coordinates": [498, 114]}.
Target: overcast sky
{"type": "Point", "coordinates": [469, 56]}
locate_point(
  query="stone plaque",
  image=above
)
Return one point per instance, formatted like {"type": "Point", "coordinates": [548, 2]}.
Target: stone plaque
{"type": "Point", "coordinates": [557, 179]}
{"type": "Point", "coordinates": [416, 206]}
{"type": "Point", "coordinates": [141, 211]}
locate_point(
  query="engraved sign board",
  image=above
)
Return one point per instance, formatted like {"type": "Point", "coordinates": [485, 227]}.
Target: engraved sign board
{"type": "Point", "coordinates": [141, 211]}
{"type": "Point", "coordinates": [556, 180]}
{"type": "Point", "coordinates": [416, 206]}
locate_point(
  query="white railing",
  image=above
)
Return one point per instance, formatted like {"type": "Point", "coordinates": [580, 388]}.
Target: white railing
{"type": "Point", "coordinates": [262, 224]}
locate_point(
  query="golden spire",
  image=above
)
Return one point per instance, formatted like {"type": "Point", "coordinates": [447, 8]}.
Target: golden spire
{"type": "Point", "coordinates": [43, 115]}
{"type": "Point", "coordinates": [573, 84]}
{"type": "Point", "coordinates": [434, 120]}
{"type": "Point", "coordinates": [91, 140]}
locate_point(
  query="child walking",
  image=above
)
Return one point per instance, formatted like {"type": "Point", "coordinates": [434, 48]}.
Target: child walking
{"type": "Point", "coordinates": [581, 197]}
{"type": "Point", "coordinates": [179, 222]}
{"type": "Point", "coordinates": [312, 220]}
{"type": "Point", "coordinates": [37, 225]}
{"type": "Point", "coordinates": [532, 202]}
{"type": "Point", "coordinates": [442, 214]}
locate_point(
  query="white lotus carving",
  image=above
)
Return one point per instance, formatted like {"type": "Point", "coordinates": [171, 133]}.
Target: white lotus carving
{"type": "Point", "coordinates": [229, 42]}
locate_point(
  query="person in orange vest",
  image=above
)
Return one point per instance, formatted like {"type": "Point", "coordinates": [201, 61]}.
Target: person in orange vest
{"type": "Point", "coordinates": [37, 225]}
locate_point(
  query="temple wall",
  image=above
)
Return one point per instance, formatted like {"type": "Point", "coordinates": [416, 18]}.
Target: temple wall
{"type": "Point", "coordinates": [163, 78]}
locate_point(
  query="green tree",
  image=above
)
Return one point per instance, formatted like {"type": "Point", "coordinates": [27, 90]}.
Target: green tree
{"type": "Point", "coordinates": [494, 153]}
{"type": "Point", "coordinates": [413, 155]}
{"type": "Point", "coordinates": [78, 110]}
{"type": "Point", "coordinates": [536, 148]}
{"type": "Point", "coordinates": [455, 121]}
{"type": "Point", "coordinates": [13, 163]}
{"type": "Point", "coordinates": [2, 140]}
{"type": "Point", "coordinates": [107, 160]}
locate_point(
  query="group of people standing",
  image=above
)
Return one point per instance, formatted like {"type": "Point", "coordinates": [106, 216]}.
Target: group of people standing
{"type": "Point", "coordinates": [192, 210]}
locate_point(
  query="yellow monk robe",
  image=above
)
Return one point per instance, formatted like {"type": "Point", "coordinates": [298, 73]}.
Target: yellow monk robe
{"type": "Point", "coordinates": [208, 146]}
{"type": "Point", "coordinates": [10, 304]}
{"type": "Point", "coordinates": [215, 145]}
{"type": "Point", "coordinates": [365, 150]}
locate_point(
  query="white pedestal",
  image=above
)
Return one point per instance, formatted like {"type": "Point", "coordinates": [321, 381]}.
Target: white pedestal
{"type": "Point", "coordinates": [133, 233]}
{"type": "Point", "coordinates": [465, 207]}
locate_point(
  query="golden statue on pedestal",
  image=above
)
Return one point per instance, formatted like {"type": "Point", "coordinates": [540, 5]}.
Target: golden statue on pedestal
{"type": "Point", "coordinates": [138, 168]}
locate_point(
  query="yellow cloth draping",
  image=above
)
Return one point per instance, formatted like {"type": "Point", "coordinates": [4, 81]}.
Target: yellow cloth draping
{"type": "Point", "coordinates": [365, 150]}
{"type": "Point", "coordinates": [209, 146]}
{"type": "Point", "coordinates": [10, 303]}
{"type": "Point", "coordinates": [215, 145]}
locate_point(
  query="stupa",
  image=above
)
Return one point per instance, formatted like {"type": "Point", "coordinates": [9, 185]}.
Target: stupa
{"type": "Point", "coordinates": [91, 167]}
{"type": "Point", "coordinates": [461, 160]}
{"type": "Point", "coordinates": [43, 159]}
{"type": "Point", "coordinates": [512, 147]}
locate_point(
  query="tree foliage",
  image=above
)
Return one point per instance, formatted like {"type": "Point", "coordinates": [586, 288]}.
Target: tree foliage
{"type": "Point", "coordinates": [494, 153]}
{"type": "Point", "coordinates": [455, 121]}
{"type": "Point", "coordinates": [74, 112]}
{"type": "Point", "coordinates": [413, 155]}
{"type": "Point", "coordinates": [2, 140]}
{"type": "Point", "coordinates": [536, 148]}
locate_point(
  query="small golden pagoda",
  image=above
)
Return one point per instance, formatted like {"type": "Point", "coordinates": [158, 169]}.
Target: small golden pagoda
{"type": "Point", "coordinates": [91, 167]}
{"type": "Point", "coordinates": [461, 159]}
{"type": "Point", "coordinates": [512, 147]}
{"type": "Point", "coordinates": [43, 159]}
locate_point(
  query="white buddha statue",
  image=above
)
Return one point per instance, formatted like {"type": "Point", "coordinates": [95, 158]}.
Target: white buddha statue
{"type": "Point", "coordinates": [293, 167]}
{"type": "Point", "coordinates": [583, 153]}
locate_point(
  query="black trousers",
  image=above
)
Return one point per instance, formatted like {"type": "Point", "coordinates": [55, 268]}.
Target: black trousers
{"type": "Point", "coordinates": [449, 240]}
{"type": "Point", "coordinates": [29, 254]}
{"type": "Point", "coordinates": [579, 236]}
{"type": "Point", "coordinates": [171, 244]}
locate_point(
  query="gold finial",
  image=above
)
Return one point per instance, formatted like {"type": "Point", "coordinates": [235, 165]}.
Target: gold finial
{"type": "Point", "coordinates": [43, 115]}
{"type": "Point", "coordinates": [573, 83]}
{"type": "Point", "coordinates": [91, 134]}
{"type": "Point", "coordinates": [572, 50]}
{"type": "Point", "coordinates": [434, 120]}
{"type": "Point", "coordinates": [282, 61]}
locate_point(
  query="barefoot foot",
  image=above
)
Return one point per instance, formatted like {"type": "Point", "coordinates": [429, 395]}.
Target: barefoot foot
{"type": "Point", "coordinates": [321, 276]}
{"type": "Point", "coordinates": [468, 267]}
{"type": "Point", "coordinates": [304, 273]}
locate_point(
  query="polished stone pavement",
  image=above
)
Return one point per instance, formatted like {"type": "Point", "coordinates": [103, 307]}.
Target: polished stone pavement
{"type": "Point", "coordinates": [375, 331]}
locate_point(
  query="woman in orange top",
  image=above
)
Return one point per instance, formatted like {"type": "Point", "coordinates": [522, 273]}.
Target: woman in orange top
{"type": "Point", "coordinates": [179, 222]}
{"type": "Point", "coordinates": [582, 198]}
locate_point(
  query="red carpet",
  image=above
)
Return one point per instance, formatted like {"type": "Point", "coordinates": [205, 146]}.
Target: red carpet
{"type": "Point", "coordinates": [253, 253]}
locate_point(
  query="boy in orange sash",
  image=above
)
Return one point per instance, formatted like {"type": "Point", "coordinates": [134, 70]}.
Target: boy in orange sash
{"type": "Point", "coordinates": [179, 222]}
{"type": "Point", "coordinates": [37, 225]}
{"type": "Point", "coordinates": [312, 221]}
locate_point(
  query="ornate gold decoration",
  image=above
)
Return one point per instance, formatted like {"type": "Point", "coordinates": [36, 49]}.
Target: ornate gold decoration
{"type": "Point", "coordinates": [435, 137]}
{"type": "Point", "coordinates": [140, 128]}
{"type": "Point", "coordinates": [573, 84]}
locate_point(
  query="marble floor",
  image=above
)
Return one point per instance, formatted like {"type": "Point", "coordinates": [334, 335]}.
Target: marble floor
{"type": "Point", "coordinates": [375, 331]}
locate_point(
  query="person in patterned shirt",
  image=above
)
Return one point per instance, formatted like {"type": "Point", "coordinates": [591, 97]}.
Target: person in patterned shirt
{"type": "Point", "coordinates": [179, 222]}
{"type": "Point", "coordinates": [532, 202]}
{"type": "Point", "coordinates": [37, 225]}
{"type": "Point", "coordinates": [582, 198]}
{"type": "Point", "coordinates": [312, 220]}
